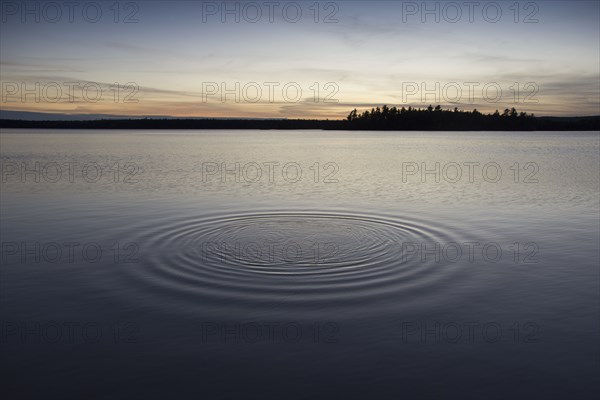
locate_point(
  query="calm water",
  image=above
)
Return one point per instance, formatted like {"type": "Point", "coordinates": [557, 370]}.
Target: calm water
{"type": "Point", "coordinates": [300, 264]}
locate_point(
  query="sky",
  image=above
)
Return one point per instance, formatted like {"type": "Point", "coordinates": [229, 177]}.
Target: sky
{"type": "Point", "coordinates": [303, 59]}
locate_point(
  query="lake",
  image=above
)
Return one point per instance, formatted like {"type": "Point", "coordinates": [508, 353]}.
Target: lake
{"type": "Point", "coordinates": [291, 264]}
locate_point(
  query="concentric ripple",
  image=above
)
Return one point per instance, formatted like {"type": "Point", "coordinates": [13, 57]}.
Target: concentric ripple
{"type": "Point", "coordinates": [289, 258]}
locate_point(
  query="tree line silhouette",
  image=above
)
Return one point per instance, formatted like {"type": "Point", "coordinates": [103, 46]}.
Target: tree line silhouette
{"type": "Point", "coordinates": [378, 118]}
{"type": "Point", "coordinates": [436, 118]}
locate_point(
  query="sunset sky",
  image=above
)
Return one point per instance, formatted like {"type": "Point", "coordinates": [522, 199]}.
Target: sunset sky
{"type": "Point", "coordinates": [180, 54]}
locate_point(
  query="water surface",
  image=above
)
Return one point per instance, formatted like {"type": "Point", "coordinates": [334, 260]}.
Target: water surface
{"type": "Point", "coordinates": [318, 263]}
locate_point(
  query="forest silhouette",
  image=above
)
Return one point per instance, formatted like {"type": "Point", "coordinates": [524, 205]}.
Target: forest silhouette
{"type": "Point", "coordinates": [436, 118]}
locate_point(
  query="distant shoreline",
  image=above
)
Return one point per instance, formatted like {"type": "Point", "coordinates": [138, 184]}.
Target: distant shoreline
{"type": "Point", "coordinates": [382, 118]}
{"type": "Point", "coordinates": [532, 124]}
